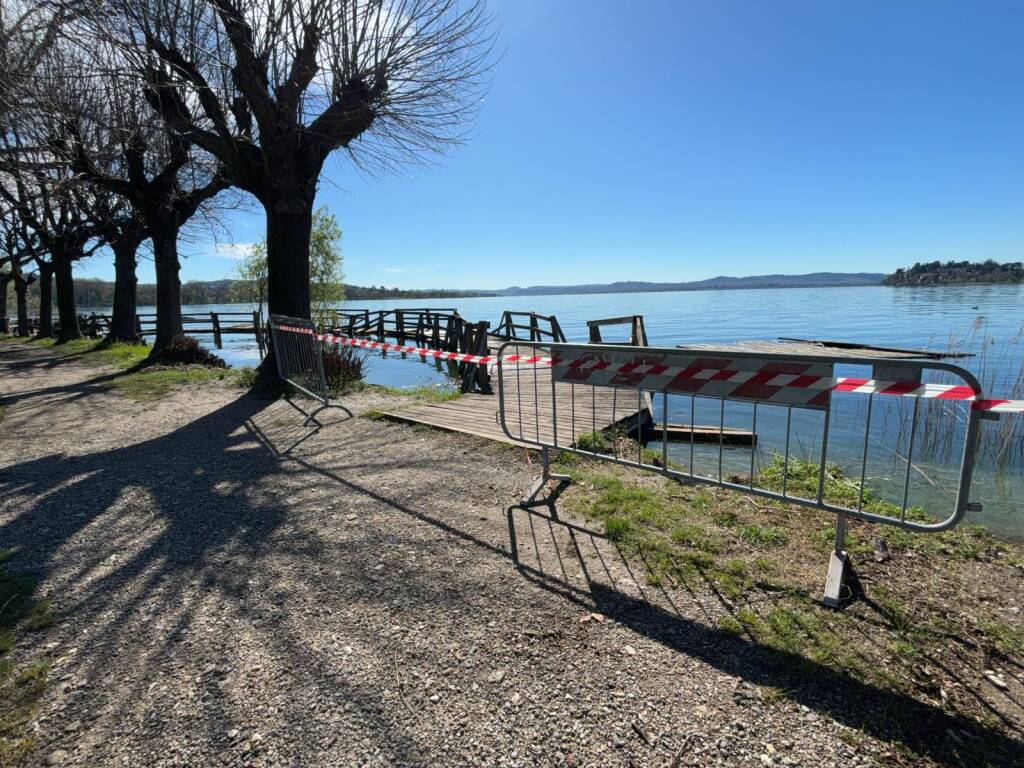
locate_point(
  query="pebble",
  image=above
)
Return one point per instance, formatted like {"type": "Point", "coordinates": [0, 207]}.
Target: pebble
{"type": "Point", "coordinates": [57, 757]}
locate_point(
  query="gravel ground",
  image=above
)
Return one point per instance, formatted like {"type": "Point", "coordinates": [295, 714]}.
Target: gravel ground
{"type": "Point", "coordinates": [234, 588]}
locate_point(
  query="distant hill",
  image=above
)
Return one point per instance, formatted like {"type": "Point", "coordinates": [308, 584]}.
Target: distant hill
{"type": "Point", "coordinates": [100, 293]}
{"type": "Point", "coordinates": [811, 280]}
{"type": "Point", "coordinates": [954, 272]}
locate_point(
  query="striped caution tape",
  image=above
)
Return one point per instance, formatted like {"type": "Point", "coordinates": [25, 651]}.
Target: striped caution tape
{"type": "Point", "coordinates": [676, 378]}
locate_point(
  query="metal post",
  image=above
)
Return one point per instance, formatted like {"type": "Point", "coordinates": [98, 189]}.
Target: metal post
{"type": "Point", "coordinates": [836, 566]}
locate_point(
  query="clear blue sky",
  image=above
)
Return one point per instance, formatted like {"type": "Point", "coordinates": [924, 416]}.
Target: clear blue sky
{"type": "Point", "coordinates": [681, 140]}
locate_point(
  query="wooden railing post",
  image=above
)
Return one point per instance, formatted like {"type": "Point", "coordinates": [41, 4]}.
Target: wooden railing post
{"type": "Point", "coordinates": [215, 320]}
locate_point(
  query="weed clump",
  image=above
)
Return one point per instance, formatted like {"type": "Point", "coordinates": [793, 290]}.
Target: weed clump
{"type": "Point", "coordinates": [343, 368]}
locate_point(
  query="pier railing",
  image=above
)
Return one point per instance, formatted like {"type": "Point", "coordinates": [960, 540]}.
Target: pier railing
{"type": "Point", "coordinates": [529, 326]}
{"type": "Point", "coordinates": [216, 324]}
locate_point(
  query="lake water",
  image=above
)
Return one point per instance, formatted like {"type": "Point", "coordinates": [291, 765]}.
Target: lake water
{"type": "Point", "coordinates": [984, 318]}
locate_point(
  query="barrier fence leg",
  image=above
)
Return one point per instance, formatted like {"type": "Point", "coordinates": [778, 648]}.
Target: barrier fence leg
{"type": "Point", "coordinates": [836, 566]}
{"type": "Point", "coordinates": [541, 482]}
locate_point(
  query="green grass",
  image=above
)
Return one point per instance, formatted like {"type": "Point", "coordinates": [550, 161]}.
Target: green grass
{"type": "Point", "coordinates": [246, 376]}
{"type": "Point", "coordinates": [96, 351]}
{"type": "Point", "coordinates": [426, 393]}
{"type": "Point", "coordinates": [765, 563]}
{"type": "Point", "coordinates": [149, 384]}
{"type": "Point", "coordinates": [1003, 637]}
{"type": "Point", "coordinates": [140, 382]}
{"type": "Point", "coordinates": [763, 535]}
{"type": "Point", "coordinates": [20, 689]}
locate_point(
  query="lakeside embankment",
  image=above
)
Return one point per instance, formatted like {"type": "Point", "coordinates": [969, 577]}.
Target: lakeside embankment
{"type": "Point", "coordinates": [222, 585]}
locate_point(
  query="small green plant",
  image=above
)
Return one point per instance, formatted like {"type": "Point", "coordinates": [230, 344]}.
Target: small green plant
{"type": "Point", "coordinates": [1003, 637]}
{"type": "Point", "coordinates": [246, 376]}
{"type": "Point", "coordinates": [617, 528]}
{"type": "Point", "coordinates": [731, 625]}
{"type": "Point", "coordinates": [892, 610]}
{"type": "Point", "coordinates": [594, 442]}
{"type": "Point", "coordinates": [763, 535]}
{"type": "Point", "coordinates": [343, 367]}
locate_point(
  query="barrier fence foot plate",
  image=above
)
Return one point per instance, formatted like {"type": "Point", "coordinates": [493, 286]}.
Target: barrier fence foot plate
{"type": "Point", "coordinates": [538, 485]}
{"type": "Point", "coordinates": [834, 582]}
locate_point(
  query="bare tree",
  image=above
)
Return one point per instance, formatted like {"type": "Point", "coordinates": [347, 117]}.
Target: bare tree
{"type": "Point", "coordinates": [273, 87]}
{"type": "Point", "coordinates": [27, 31]}
{"type": "Point", "coordinates": [18, 249]}
{"type": "Point", "coordinates": [112, 140]}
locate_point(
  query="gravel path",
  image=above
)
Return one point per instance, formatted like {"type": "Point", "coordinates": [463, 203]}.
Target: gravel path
{"type": "Point", "coordinates": [236, 589]}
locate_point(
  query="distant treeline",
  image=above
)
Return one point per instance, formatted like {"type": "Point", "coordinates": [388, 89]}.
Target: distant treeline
{"type": "Point", "coordinates": [937, 273]}
{"type": "Point", "coordinates": [100, 293]}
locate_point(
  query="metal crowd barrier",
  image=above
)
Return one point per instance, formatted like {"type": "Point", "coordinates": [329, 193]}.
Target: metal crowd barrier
{"type": "Point", "coordinates": [590, 396]}
{"type": "Point", "coordinates": [300, 363]}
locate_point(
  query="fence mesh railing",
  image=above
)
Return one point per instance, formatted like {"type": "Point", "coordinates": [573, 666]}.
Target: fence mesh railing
{"type": "Point", "coordinates": [887, 441]}
{"type": "Point", "coordinates": [298, 354]}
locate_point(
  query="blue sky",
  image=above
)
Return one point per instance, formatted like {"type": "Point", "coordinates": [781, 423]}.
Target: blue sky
{"type": "Point", "coordinates": [682, 140]}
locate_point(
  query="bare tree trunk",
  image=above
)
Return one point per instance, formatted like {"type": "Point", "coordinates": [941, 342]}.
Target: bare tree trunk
{"type": "Point", "coordinates": [122, 319]}
{"type": "Point", "coordinates": [21, 295]}
{"type": "Point", "coordinates": [168, 286]}
{"type": "Point", "coordinates": [66, 310]}
{"type": "Point", "coordinates": [45, 330]}
{"type": "Point", "coordinates": [288, 235]}
{"type": "Point", "coordinates": [5, 278]}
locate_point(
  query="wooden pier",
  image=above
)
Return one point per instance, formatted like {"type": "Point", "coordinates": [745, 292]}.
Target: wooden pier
{"type": "Point", "coordinates": [580, 410]}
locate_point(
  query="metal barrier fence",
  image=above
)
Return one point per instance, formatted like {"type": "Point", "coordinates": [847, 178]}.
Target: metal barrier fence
{"type": "Point", "coordinates": [588, 398]}
{"type": "Point", "coordinates": [299, 357]}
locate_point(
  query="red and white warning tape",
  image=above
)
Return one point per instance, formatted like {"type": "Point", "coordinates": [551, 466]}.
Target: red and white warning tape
{"type": "Point", "coordinates": [689, 379]}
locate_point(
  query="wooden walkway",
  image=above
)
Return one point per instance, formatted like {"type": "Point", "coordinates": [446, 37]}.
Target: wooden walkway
{"type": "Point", "coordinates": [528, 404]}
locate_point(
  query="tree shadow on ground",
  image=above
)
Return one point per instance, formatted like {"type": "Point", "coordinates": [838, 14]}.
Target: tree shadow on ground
{"type": "Point", "coordinates": [216, 498]}
{"type": "Point", "coordinates": [909, 724]}
{"type": "Point", "coordinates": [221, 491]}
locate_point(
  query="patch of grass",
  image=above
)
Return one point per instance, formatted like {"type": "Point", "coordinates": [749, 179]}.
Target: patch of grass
{"type": "Point", "coordinates": [969, 542]}
{"type": "Point", "coordinates": [117, 353]}
{"type": "Point", "coordinates": [594, 442]}
{"type": "Point", "coordinates": [763, 535]}
{"type": "Point", "coordinates": [157, 382]}
{"type": "Point", "coordinates": [20, 690]}
{"type": "Point", "coordinates": [893, 611]}
{"type": "Point", "coordinates": [246, 376]}
{"type": "Point", "coordinates": [1005, 638]}
{"type": "Point", "coordinates": [427, 392]}
{"type": "Point", "coordinates": [730, 625]}
{"type": "Point", "coordinates": [688, 535]}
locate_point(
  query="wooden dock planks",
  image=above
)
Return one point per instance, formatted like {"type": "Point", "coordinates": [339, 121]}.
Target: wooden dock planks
{"type": "Point", "coordinates": [533, 414]}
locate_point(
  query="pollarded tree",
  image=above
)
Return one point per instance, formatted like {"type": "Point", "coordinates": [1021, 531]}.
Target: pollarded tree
{"type": "Point", "coordinates": [18, 250]}
{"type": "Point", "coordinates": [58, 212]}
{"type": "Point", "coordinates": [113, 141]}
{"type": "Point", "coordinates": [273, 87]}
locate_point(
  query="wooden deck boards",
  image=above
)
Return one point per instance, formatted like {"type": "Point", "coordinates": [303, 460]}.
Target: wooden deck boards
{"type": "Point", "coordinates": [528, 404]}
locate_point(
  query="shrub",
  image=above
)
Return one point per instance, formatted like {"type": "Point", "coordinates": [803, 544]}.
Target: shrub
{"type": "Point", "coordinates": [343, 367]}
{"type": "Point", "coordinates": [185, 350]}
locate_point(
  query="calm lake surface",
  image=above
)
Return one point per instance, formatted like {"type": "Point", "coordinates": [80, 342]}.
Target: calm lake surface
{"type": "Point", "coordinates": [986, 319]}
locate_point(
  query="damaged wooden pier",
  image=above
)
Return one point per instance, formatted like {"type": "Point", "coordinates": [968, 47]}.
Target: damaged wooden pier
{"type": "Point", "coordinates": [574, 412]}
